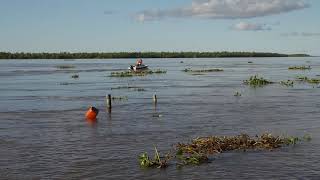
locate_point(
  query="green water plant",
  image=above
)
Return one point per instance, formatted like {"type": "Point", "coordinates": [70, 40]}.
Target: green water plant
{"type": "Point", "coordinates": [299, 68]}
{"type": "Point", "coordinates": [257, 81]}
{"type": "Point", "coordinates": [120, 98]}
{"type": "Point", "coordinates": [157, 162]}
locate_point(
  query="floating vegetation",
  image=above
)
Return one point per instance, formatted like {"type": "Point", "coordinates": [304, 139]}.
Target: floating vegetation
{"type": "Point", "coordinates": [191, 158]}
{"type": "Point", "coordinates": [287, 83]}
{"type": "Point", "coordinates": [299, 68]}
{"type": "Point", "coordinates": [216, 144]}
{"type": "Point", "coordinates": [308, 80]}
{"type": "Point", "coordinates": [134, 88]}
{"type": "Point", "coordinates": [197, 151]}
{"type": "Point", "coordinates": [257, 81]}
{"type": "Point", "coordinates": [202, 70]}
{"type": "Point", "coordinates": [157, 162]}
{"type": "Point", "coordinates": [65, 66]}
{"type": "Point", "coordinates": [75, 76]}
{"type": "Point", "coordinates": [237, 94]}
{"type": "Point", "coordinates": [119, 98]}
{"type": "Point", "coordinates": [136, 73]}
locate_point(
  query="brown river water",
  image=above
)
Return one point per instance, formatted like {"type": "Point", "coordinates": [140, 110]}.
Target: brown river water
{"type": "Point", "coordinates": [44, 135]}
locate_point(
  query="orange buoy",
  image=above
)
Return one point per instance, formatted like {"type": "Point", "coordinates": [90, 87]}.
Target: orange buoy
{"type": "Point", "coordinates": [92, 113]}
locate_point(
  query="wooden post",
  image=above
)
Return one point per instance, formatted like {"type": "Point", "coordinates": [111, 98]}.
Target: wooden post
{"type": "Point", "coordinates": [109, 102]}
{"type": "Point", "coordinates": [155, 100]}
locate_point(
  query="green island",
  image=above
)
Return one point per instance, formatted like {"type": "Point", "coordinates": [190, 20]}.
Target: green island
{"type": "Point", "coordinates": [122, 55]}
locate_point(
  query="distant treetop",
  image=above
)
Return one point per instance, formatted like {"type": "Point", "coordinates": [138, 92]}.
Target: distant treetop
{"type": "Point", "coordinates": [123, 55]}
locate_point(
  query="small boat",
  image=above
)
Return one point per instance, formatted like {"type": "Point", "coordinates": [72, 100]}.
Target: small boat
{"type": "Point", "coordinates": [138, 67]}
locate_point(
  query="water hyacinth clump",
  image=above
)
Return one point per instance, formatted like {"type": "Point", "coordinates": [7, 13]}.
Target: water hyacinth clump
{"type": "Point", "coordinates": [136, 73]}
{"type": "Point", "coordinates": [299, 68]}
{"type": "Point", "coordinates": [157, 162]}
{"type": "Point", "coordinates": [257, 81]}
{"type": "Point", "coordinates": [216, 144]}
{"type": "Point", "coordinates": [198, 150]}
{"type": "Point", "coordinates": [202, 70]}
{"type": "Point", "coordinates": [119, 98]}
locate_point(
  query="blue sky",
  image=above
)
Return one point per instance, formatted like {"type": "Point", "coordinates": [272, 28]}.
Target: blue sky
{"type": "Point", "coordinates": [286, 26]}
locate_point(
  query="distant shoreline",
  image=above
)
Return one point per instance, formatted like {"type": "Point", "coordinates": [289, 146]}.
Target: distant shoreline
{"type": "Point", "coordinates": [127, 55]}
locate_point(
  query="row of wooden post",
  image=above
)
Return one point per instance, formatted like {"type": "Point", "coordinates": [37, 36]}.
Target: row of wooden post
{"type": "Point", "coordinates": [109, 104]}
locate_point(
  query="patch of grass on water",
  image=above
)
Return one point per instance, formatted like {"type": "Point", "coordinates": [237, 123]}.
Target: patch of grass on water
{"type": "Point", "coordinates": [197, 151]}
{"type": "Point", "coordinates": [157, 162]}
{"type": "Point", "coordinates": [308, 80]}
{"type": "Point", "coordinates": [136, 73]}
{"type": "Point", "coordinates": [65, 66]}
{"type": "Point", "coordinates": [257, 81]}
{"type": "Point", "coordinates": [216, 144]}
{"type": "Point", "coordinates": [119, 98]}
{"type": "Point", "coordinates": [299, 68]}
{"type": "Point", "coordinates": [202, 70]}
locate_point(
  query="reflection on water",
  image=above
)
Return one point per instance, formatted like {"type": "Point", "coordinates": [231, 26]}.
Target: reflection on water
{"type": "Point", "coordinates": [44, 134]}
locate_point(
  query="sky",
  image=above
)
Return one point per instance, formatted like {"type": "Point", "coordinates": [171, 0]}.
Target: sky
{"type": "Point", "coordinates": [284, 26]}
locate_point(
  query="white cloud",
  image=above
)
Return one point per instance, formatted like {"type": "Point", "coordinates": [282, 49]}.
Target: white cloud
{"type": "Point", "coordinates": [245, 26]}
{"type": "Point", "coordinates": [226, 9]}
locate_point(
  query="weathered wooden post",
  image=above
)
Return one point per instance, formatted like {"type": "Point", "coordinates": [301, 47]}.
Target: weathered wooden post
{"type": "Point", "coordinates": [109, 102]}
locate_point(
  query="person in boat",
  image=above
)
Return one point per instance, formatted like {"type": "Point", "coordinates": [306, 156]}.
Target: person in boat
{"type": "Point", "coordinates": [139, 62]}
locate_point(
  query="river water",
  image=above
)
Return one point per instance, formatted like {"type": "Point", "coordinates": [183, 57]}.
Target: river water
{"type": "Point", "coordinates": [44, 135]}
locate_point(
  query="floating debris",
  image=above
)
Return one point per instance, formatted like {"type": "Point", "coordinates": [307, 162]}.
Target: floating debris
{"type": "Point", "coordinates": [65, 66]}
{"type": "Point", "coordinates": [75, 76]}
{"type": "Point", "coordinates": [299, 68]}
{"type": "Point", "coordinates": [136, 73]}
{"type": "Point", "coordinates": [202, 70]}
{"type": "Point", "coordinates": [250, 62]}
{"type": "Point", "coordinates": [257, 81]}
{"type": "Point", "coordinates": [287, 83]}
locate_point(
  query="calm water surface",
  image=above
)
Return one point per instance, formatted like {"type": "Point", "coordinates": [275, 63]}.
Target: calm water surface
{"type": "Point", "coordinates": [43, 133]}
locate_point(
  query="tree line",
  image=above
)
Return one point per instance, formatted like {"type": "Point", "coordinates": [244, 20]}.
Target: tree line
{"type": "Point", "coordinates": [118, 55]}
